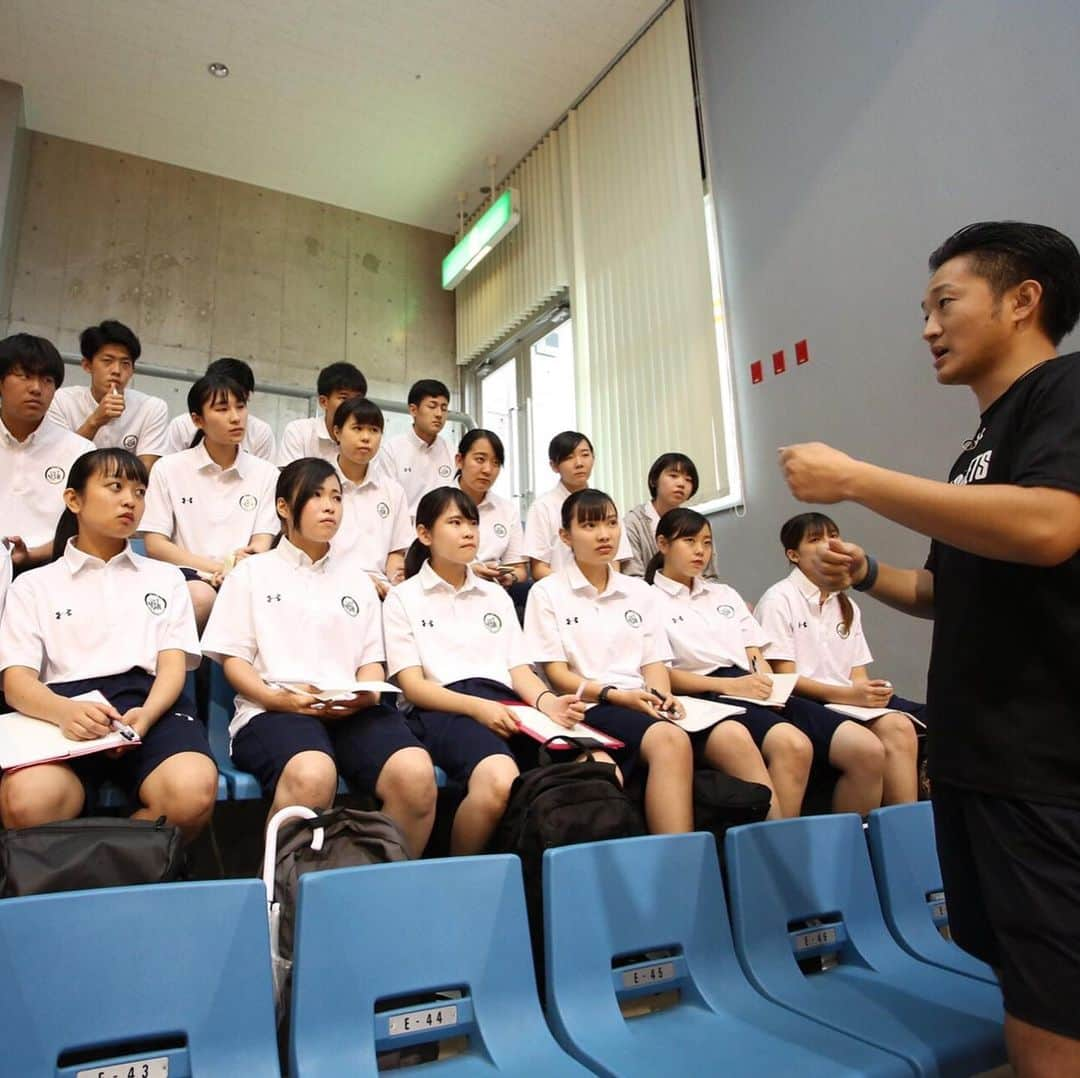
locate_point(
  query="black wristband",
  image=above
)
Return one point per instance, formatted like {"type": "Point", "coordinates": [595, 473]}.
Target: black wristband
{"type": "Point", "coordinates": [870, 579]}
{"type": "Point", "coordinates": [541, 695]}
{"type": "Point", "coordinates": [605, 692]}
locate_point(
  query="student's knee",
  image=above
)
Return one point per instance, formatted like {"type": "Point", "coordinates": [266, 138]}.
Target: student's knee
{"type": "Point", "coordinates": [25, 802]}
{"type": "Point", "coordinates": [490, 783]}
{"type": "Point", "coordinates": [732, 737]}
{"type": "Point", "coordinates": [789, 748]}
{"type": "Point", "coordinates": [202, 600]}
{"type": "Point", "coordinates": [856, 751]}
{"type": "Point", "coordinates": [408, 780]}
{"type": "Point", "coordinates": [183, 789]}
{"type": "Point", "coordinates": [666, 742]}
{"type": "Point", "coordinates": [309, 779]}
{"type": "Point", "coordinates": [897, 734]}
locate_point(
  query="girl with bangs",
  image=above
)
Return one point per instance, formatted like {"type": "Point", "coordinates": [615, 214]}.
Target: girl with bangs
{"type": "Point", "coordinates": [294, 621]}
{"type": "Point", "coordinates": [817, 633]}
{"type": "Point", "coordinates": [101, 618]}
{"type": "Point", "coordinates": [454, 645]}
{"type": "Point", "coordinates": [598, 635]}
{"type": "Point", "coordinates": [212, 505]}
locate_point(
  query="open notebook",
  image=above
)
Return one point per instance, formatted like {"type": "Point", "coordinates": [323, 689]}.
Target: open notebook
{"type": "Point", "coordinates": [540, 728]}
{"type": "Point", "coordinates": [346, 692]}
{"type": "Point", "coordinates": [782, 687]}
{"type": "Point", "coordinates": [25, 741]}
{"type": "Point", "coordinates": [701, 714]}
{"type": "Point", "coordinates": [868, 714]}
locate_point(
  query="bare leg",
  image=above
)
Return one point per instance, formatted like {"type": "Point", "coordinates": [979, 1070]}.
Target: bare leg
{"type": "Point", "coordinates": [1038, 1053]}
{"type": "Point", "coordinates": [202, 599]}
{"type": "Point", "coordinates": [788, 755]}
{"type": "Point", "coordinates": [901, 776]}
{"type": "Point", "coordinates": [856, 752]}
{"type": "Point", "coordinates": [478, 815]}
{"type": "Point", "coordinates": [41, 794]}
{"type": "Point", "coordinates": [183, 789]}
{"type": "Point", "coordinates": [669, 796]}
{"type": "Point", "coordinates": [406, 788]}
{"type": "Point", "coordinates": [308, 779]}
{"type": "Point", "coordinates": [731, 749]}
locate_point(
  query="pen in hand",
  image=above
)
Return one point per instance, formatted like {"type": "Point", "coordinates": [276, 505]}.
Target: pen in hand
{"type": "Point", "coordinates": [125, 731]}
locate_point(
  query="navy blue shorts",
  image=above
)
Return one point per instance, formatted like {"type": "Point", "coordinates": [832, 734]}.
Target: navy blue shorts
{"type": "Point", "coordinates": [817, 722]}
{"type": "Point", "coordinates": [758, 720]}
{"type": "Point", "coordinates": [898, 703]}
{"type": "Point", "coordinates": [359, 745]}
{"type": "Point", "coordinates": [178, 730]}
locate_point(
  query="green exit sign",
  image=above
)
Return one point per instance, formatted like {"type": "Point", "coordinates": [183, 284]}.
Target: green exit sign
{"type": "Point", "coordinates": [493, 224]}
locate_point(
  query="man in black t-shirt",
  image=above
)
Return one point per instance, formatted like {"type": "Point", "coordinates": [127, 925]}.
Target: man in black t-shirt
{"type": "Point", "coordinates": [1002, 584]}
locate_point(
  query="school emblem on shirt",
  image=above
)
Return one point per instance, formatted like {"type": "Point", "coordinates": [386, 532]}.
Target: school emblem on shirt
{"type": "Point", "coordinates": [383, 510]}
{"type": "Point", "coordinates": [500, 530]}
{"type": "Point", "coordinates": [726, 611]}
{"type": "Point", "coordinates": [248, 502]}
{"type": "Point", "coordinates": [155, 603]}
{"type": "Point", "coordinates": [131, 441]}
{"type": "Point", "coordinates": [633, 618]}
{"type": "Point", "coordinates": [54, 475]}
{"type": "Point", "coordinates": [492, 622]}
{"type": "Point", "coordinates": [350, 606]}
{"type": "Point", "coordinates": [843, 631]}
{"type": "Point", "coordinates": [444, 471]}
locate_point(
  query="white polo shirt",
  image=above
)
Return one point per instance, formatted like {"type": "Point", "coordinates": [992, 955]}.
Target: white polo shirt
{"type": "Point", "coordinates": [809, 634]}
{"type": "Point", "coordinates": [294, 620]}
{"type": "Point", "coordinates": [501, 539]}
{"type": "Point", "coordinates": [139, 429]}
{"type": "Point", "coordinates": [258, 436]}
{"type": "Point", "coordinates": [605, 636]}
{"type": "Point", "coordinates": [708, 625]}
{"type": "Point", "coordinates": [5, 575]}
{"type": "Point", "coordinates": [209, 510]}
{"type": "Point", "coordinates": [542, 524]}
{"type": "Point", "coordinates": [419, 467]}
{"type": "Point", "coordinates": [374, 521]}
{"type": "Point", "coordinates": [452, 634]}
{"type": "Point", "coordinates": [80, 617]}
{"type": "Point", "coordinates": [33, 475]}
{"type": "Point", "coordinates": [306, 438]}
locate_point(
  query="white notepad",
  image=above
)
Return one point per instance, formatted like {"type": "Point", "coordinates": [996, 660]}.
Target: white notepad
{"type": "Point", "coordinates": [782, 687]}
{"type": "Point", "coordinates": [25, 741]}
{"type": "Point", "coordinates": [701, 714]}
{"type": "Point", "coordinates": [346, 692]}
{"type": "Point", "coordinates": [867, 714]}
{"type": "Point", "coordinates": [539, 727]}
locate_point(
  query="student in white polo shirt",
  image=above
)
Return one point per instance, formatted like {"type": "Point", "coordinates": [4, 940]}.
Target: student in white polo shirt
{"type": "Point", "coordinates": [597, 634]}
{"type": "Point", "coordinates": [295, 620]}
{"type": "Point", "coordinates": [375, 528]}
{"type": "Point", "coordinates": [258, 435]}
{"type": "Point", "coordinates": [454, 645]}
{"type": "Point", "coordinates": [102, 618]}
{"type": "Point", "coordinates": [817, 633]}
{"type": "Point", "coordinates": [314, 436]}
{"type": "Point", "coordinates": [419, 459]}
{"type": "Point", "coordinates": [571, 457]}
{"type": "Point", "coordinates": [106, 411]}
{"type": "Point", "coordinates": [672, 481]}
{"type": "Point", "coordinates": [213, 505]}
{"type": "Point", "coordinates": [5, 575]}
{"type": "Point", "coordinates": [35, 455]}
{"type": "Point", "coordinates": [500, 554]}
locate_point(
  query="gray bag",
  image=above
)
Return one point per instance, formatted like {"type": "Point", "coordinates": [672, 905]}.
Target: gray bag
{"type": "Point", "coordinates": [299, 841]}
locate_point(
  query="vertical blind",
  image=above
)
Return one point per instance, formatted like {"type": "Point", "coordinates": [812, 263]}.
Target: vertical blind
{"type": "Point", "coordinates": [622, 222]}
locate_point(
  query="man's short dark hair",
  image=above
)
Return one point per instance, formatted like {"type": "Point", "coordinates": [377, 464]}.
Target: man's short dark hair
{"type": "Point", "coordinates": [94, 338]}
{"type": "Point", "coordinates": [428, 387]}
{"type": "Point", "coordinates": [236, 369]}
{"type": "Point", "coordinates": [341, 376]}
{"type": "Point", "coordinates": [1008, 252]}
{"type": "Point", "coordinates": [34, 355]}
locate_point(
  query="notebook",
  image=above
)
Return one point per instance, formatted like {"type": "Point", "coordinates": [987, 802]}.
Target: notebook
{"type": "Point", "coordinates": [540, 728]}
{"type": "Point", "coordinates": [701, 714]}
{"type": "Point", "coordinates": [782, 687]}
{"type": "Point", "coordinates": [346, 692]}
{"type": "Point", "coordinates": [25, 741]}
{"type": "Point", "coordinates": [867, 714]}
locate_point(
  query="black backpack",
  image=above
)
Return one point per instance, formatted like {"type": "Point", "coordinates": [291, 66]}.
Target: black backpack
{"type": "Point", "coordinates": [560, 805]}
{"type": "Point", "coordinates": [722, 801]}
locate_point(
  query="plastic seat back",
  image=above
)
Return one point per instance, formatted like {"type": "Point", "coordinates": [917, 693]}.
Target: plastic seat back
{"type": "Point", "coordinates": [394, 956]}
{"type": "Point", "coordinates": [109, 981]}
{"type": "Point", "coordinates": [908, 875]}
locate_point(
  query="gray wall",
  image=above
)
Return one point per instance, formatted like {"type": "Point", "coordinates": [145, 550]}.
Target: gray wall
{"type": "Point", "coordinates": [846, 139]}
{"type": "Point", "coordinates": [200, 266]}
{"type": "Point", "coordinates": [14, 159]}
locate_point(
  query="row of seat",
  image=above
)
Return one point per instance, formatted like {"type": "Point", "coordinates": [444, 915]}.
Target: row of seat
{"type": "Point", "coordinates": [391, 956]}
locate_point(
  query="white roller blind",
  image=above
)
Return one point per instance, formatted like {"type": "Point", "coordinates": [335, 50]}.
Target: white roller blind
{"type": "Point", "coordinates": [642, 304]}
{"type": "Point", "coordinates": [528, 269]}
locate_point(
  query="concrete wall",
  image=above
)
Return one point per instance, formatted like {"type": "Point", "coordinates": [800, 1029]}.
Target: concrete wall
{"type": "Point", "coordinates": [846, 141]}
{"type": "Point", "coordinates": [200, 266]}
{"type": "Point", "coordinates": [14, 160]}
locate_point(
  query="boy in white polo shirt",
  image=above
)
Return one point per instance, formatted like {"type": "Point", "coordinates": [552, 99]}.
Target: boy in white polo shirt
{"type": "Point", "coordinates": [106, 411]}
{"type": "Point", "coordinates": [375, 530]}
{"type": "Point", "coordinates": [419, 459]}
{"type": "Point", "coordinates": [258, 436]}
{"type": "Point", "coordinates": [35, 455]}
{"type": "Point", "coordinates": [314, 436]}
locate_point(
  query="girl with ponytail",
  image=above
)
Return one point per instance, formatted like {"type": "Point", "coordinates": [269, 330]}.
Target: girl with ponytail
{"type": "Point", "coordinates": [101, 618]}
{"type": "Point", "coordinates": [817, 633]}
{"type": "Point", "coordinates": [454, 645]}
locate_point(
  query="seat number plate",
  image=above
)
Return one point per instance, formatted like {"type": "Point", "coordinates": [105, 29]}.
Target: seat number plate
{"type": "Point", "coordinates": [143, 1068]}
{"type": "Point", "coordinates": [662, 971]}
{"type": "Point", "coordinates": [418, 1021]}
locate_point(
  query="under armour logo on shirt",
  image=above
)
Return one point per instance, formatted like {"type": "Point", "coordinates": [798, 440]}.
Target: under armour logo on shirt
{"type": "Point", "coordinates": [63, 614]}
{"type": "Point", "coordinates": [802, 625]}
{"type": "Point", "coordinates": [678, 617]}
{"type": "Point", "coordinates": [571, 621]}
{"type": "Point", "coordinates": [186, 501]}
{"type": "Point", "coordinates": [273, 598]}
{"type": "Point", "coordinates": [426, 624]}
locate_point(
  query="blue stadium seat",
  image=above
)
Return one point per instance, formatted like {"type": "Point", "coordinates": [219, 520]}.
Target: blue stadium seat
{"type": "Point", "coordinates": [803, 890]}
{"type": "Point", "coordinates": [381, 949]}
{"type": "Point", "coordinates": [905, 861]}
{"type": "Point", "coordinates": [103, 980]}
{"type": "Point", "coordinates": [639, 916]}
{"type": "Point", "coordinates": [138, 545]}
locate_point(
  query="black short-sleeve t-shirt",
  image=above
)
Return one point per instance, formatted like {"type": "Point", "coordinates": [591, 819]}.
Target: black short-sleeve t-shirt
{"type": "Point", "coordinates": [1003, 696]}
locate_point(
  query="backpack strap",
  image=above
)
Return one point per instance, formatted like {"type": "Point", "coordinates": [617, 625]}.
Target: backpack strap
{"type": "Point", "coordinates": [586, 745]}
